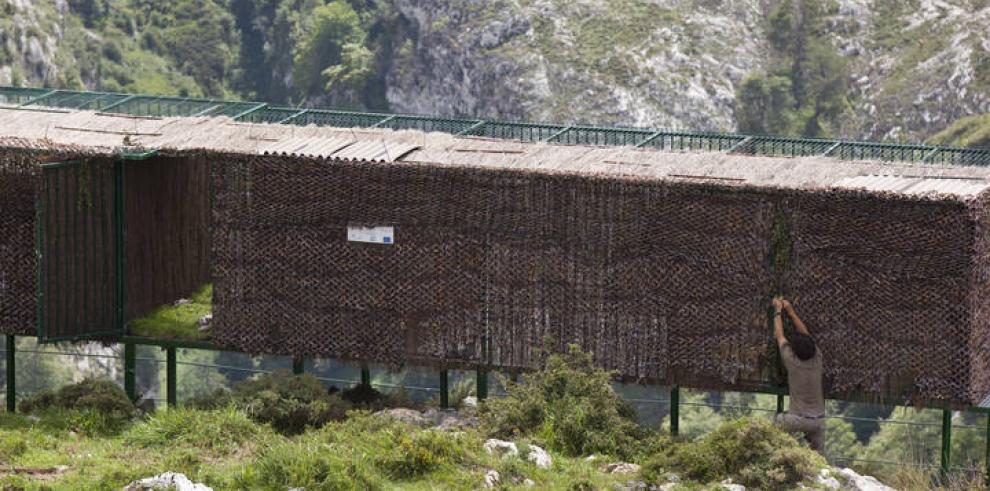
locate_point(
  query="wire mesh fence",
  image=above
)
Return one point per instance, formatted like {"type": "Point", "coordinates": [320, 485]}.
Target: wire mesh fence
{"type": "Point", "coordinates": [256, 112]}
{"type": "Point", "coordinates": [869, 438]}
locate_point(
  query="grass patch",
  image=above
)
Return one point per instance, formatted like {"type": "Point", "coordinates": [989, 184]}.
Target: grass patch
{"type": "Point", "coordinates": [220, 431]}
{"type": "Point", "coordinates": [971, 131]}
{"type": "Point", "coordinates": [177, 321]}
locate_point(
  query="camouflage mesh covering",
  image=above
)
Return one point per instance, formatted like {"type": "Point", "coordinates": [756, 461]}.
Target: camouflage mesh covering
{"type": "Point", "coordinates": [663, 280]}
{"type": "Point", "coordinates": [660, 280]}
{"type": "Point", "coordinates": [630, 272]}
{"type": "Point", "coordinates": [884, 282]}
{"type": "Point", "coordinates": [168, 244]}
{"type": "Point", "coordinates": [289, 281]}
{"type": "Point", "coordinates": [18, 278]}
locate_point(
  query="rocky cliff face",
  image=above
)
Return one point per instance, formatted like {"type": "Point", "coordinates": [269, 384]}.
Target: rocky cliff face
{"type": "Point", "coordinates": [915, 66]}
{"type": "Point", "coordinates": [29, 39]}
{"type": "Point", "coordinates": [668, 63]}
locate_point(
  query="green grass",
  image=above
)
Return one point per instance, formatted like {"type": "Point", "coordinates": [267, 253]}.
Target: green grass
{"type": "Point", "coordinates": [226, 450]}
{"type": "Point", "coordinates": [971, 131]}
{"type": "Point", "coordinates": [177, 322]}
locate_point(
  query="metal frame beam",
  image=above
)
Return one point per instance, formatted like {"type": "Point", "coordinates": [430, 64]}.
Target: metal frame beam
{"type": "Point", "coordinates": [294, 116]}
{"type": "Point", "coordinates": [472, 128]}
{"type": "Point", "coordinates": [254, 109]}
{"type": "Point", "coordinates": [382, 122]}
{"type": "Point", "coordinates": [119, 103]}
{"type": "Point", "coordinates": [38, 98]}
{"type": "Point", "coordinates": [11, 370]}
{"type": "Point", "coordinates": [558, 134]}
{"type": "Point", "coordinates": [650, 139]}
{"type": "Point", "coordinates": [739, 144]}
{"type": "Point", "coordinates": [171, 375]}
{"type": "Point", "coordinates": [830, 149]}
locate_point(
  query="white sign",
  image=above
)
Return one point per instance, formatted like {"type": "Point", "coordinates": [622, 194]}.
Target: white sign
{"type": "Point", "coordinates": [373, 235]}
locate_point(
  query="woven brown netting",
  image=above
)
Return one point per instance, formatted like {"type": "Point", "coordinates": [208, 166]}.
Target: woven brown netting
{"type": "Point", "coordinates": [18, 276]}
{"type": "Point", "coordinates": [660, 281]}
{"type": "Point", "coordinates": [289, 281]}
{"type": "Point", "coordinates": [491, 262]}
{"type": "Point", "coordinates": [885, 284]}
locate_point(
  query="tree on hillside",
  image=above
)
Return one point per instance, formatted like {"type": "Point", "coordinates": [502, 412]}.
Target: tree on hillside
{"type": "Point", "coordinates": [200, 42]}
{"type": "Point", "coordinates": [330, 53]}
{"type": "Point", "coordinates": [804, 90]}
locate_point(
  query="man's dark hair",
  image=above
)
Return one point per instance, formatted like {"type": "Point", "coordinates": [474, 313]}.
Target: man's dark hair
{"type": "Point", "coordinates": [802, 345]}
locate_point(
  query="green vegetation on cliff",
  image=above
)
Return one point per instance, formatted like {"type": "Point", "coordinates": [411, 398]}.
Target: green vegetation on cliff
{"type": "Point", "coordinates": [804, 91]}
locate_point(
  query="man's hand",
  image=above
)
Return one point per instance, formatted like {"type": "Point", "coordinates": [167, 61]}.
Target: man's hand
{"type": "Point", "coordinates": [778, 323]}
{"type": "Point", "coordinates": [787, 305]}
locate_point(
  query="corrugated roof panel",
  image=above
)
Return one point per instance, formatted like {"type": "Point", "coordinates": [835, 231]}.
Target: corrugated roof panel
{"type": "Point", "coordinates": [916, 185]}
{"type": "Point", "coordinates": [307, 146]}
{"type": "Point", "coordinates": [376, 150]}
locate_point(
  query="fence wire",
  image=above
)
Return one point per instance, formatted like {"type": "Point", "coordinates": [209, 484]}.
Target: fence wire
{"type": "Point", "coordinates": [657, 407]}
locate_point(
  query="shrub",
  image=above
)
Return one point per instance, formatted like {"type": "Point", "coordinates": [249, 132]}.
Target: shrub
{"type": "Point", "coordinates": [92, 406]}
{"type": "Point", "coordinates": [219, 399]}
{"type": "Point", "coordinates": [291, 403]}
{"type": "Point", "coordinates": [751, 451]}
{"type": "Point", "coordinates": [419, 453]}
{"type": "Point", "coordinates": [364, 396]}
{"type": "Point", "coordinates": [570, 406]}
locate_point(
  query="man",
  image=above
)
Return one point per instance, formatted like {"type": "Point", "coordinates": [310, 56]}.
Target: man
{"type": "Point", "coordinates": [803, 361]}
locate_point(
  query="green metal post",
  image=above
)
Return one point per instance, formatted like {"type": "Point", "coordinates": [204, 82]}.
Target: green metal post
{"type": "Point", "coordinates": [946, 442]}
{"type": "Point", "coordinates": [780, 403]}
{"type": "Point", "coordinates": [482, 379]}
{"type": "Point", "coordinates": [298, 366]}
{"type": "Point", "coordinates": [170, 376]}
{"type": "Point", "coordinates": [444, 390]}
{"type": "Point", "coordinates": [987, 461]}
{"type": "Point", "coordinates": [11, 385]}
{"type": "Point", "coordinates": [365, 376]}
{"type": "Point", "coordinates": [675, 410]}
{"type": "Point", "coordinates": [130, 371]}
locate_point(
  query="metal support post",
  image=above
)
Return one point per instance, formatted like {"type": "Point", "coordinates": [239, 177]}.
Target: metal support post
{"type": "Point", "coordinates": [444, 390]}
{"type": "Point", "coordinates": [130, 371]}
{"type": "Point", "coordinates": [11, 382]}
{"type": "Point", "coordinates": [298, 366]}
{"type": "Point", "coordinates": [365, 376]}
{"type": "Point", "coordinates": [482, 379]}
{"type": "Point", "coordinates": [946, 442]}
{"type": "Point", "coordinates": [987, 456]}
{"type": "Point", "coordinates": [675, 410]}
{"type": "Point", "coordinates": [780, 403]}
{"type": "Point", "coordinates": [170, 376]}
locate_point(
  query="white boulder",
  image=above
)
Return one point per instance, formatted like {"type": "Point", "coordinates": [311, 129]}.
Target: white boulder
{"type": "Point", "coordinates": [539, 457]}
{"type": "Point", "coordinates": [168, 480]}
{"type": "Point", "coordinates": [501, 448]}
{"type": "Point", "coordinates": [863, 483]}
{"type": "Point", "coordinates": [492, 479]}
{"type": "Point", "coordinates": [826, 481]}
{"type": "Point", "coordinates": [621, 468]}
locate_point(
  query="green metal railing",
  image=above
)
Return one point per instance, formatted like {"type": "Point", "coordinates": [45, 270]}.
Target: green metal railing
{"type": "Point", "coordinates": [256, 112]}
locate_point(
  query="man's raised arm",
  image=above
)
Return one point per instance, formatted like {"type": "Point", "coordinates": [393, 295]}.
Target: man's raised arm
{"type": "Point", "coordinates": [798, 323]}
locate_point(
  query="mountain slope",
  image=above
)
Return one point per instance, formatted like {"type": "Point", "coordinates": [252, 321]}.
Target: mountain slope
{"type": "Point", "coordinates": [908, 68]}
